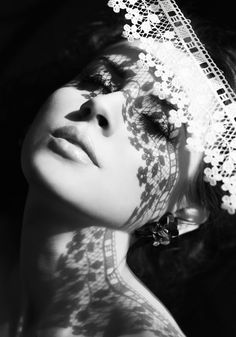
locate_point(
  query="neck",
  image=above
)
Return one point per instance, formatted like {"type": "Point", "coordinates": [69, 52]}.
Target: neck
{"type": "Point", "coordinates": [45, 214]}
{"type": "Point", "coordinates": [76, 274]}
{"type": "Point", "coordinates": [68, 258]}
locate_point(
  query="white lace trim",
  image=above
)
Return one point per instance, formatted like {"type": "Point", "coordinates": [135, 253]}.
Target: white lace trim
{"type": "Point", "coordinates": [212, 131]}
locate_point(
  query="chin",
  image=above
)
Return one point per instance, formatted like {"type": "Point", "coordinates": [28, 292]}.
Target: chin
{"type": "Point", "coordinates": [94, 201]}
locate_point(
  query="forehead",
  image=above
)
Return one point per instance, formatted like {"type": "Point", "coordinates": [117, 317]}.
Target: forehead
{"type": "Point", "coordinates": [160, 80]}
{"type": "Point", "coordinates": [170, 60]}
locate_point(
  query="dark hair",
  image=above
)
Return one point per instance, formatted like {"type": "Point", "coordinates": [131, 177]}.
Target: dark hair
{"type": "Point", "coordinates": [221, 45]}
{"type": "Point", "coordinates": [170, 271]}
{"type": "Point", "coordinates": [167, 269]}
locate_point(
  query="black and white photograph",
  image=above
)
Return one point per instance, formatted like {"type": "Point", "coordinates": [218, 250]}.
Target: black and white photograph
{"type": "Point", "coordinates": [118, 168]}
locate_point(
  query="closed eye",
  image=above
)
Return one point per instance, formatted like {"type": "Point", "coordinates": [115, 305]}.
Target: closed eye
{"type": "Point", "coordinates": [96, 81]}
{"type": "Point", "coordinates": [154, 127]}
{"type": "Point", "coordinates": [156, 124]}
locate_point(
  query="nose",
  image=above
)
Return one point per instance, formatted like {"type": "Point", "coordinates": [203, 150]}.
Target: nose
{"type": "Point", "coordinates": [103, 111]}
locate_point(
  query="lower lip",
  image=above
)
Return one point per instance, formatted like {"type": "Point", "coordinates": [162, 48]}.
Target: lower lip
{"type": "Point", "coordinates": [68, 150]}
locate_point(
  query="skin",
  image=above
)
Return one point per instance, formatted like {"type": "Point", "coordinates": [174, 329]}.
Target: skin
{"type": "Point", "coordinates": [79, 215]}
{"type": "Point", "coordinates": [140, 179]}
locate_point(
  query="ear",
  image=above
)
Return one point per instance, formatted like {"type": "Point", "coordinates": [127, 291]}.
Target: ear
{"type": "Point", "coordinates": [187, 208]}
{"type": "Point", "coordinates": [190, 218]}
{"type": "Point", "coordinates": [184, 203]}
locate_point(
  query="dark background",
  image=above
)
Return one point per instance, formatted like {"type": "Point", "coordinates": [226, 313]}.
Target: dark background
{"type": "Point", "coordinates": [32, 33]}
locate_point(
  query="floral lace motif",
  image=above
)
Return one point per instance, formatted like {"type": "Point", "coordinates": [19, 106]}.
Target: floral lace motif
{"type": "Point", "coordinates": [212, 130]}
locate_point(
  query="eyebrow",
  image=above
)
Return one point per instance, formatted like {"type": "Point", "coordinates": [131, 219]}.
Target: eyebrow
{"type": "Point", "coordinates": [167, 105]}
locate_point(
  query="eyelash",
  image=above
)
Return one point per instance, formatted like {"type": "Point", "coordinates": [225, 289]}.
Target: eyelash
{"type": "Point", "coordinates": [149, 122]}
{"type": "Point", "coordinates": [153, 126]}
{"type": "Point", "coordinates": [98, 81]}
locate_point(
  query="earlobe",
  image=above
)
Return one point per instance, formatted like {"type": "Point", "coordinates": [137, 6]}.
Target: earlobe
{"type": "Point", "coordinates": [190, 218]}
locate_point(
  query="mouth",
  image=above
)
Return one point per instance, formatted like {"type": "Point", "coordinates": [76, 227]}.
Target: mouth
{"type": "Point", "coordinates": [71, 145]}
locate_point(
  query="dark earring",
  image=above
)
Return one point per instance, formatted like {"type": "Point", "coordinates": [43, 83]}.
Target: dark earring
{"type": "Point", "coordinates": [165, 230]}
{"type": "Point", "coordinates": [169, 226]}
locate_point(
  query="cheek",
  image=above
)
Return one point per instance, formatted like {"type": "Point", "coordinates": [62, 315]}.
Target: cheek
{"type": "Point", "coordinates": [157, 173]}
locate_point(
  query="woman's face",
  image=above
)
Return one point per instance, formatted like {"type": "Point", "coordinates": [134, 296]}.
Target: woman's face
{"type": "Point", "coordinates": [103, 143]}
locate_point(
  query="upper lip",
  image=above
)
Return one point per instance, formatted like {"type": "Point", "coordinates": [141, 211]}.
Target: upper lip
{"type": "Point", "coordinates": [71, 134]}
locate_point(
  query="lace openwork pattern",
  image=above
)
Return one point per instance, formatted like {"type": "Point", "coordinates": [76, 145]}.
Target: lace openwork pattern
{"type": "Point", "coordinates": [211, 123]}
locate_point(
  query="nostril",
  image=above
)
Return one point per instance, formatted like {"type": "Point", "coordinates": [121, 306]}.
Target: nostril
{"type": "Point", "coordinates": [102, 121]}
